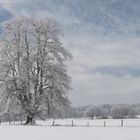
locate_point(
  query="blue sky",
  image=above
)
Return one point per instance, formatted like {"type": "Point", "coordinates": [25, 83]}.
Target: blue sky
{"type": "Point", "coordinates": [104, 38]}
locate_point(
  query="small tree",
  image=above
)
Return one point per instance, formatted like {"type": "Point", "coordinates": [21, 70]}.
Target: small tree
{"type": "Point", "coordinates": [33, 74]}
{"type": "Point", "coordinates": [105, 111]}
{"type": "Point", "coordinates": [93, 112]}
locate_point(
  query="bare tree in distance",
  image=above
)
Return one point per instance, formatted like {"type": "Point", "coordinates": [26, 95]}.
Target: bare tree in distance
{"type": "Point", "coordinates": [92, 112]}
{"type": "Point", "coordinates": [33, 72]}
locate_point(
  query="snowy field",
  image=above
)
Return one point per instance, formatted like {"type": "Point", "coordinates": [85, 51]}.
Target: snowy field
{"type": "Point", "coordinates": [44, 131]}
{"type": "Point", "coordinates": [67, 133]}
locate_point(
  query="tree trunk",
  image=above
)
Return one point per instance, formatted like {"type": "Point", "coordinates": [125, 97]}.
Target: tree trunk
{"type": "Point", "coordinates": [30, 120]}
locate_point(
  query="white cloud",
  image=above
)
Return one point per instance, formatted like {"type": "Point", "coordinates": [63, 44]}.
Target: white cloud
{"type": "Point", "coordinates": [100, 89]}
{"type": "Point", "coordinates": [10, 1]}
{"type": "Point", "coordinates": [97, 88]}
{"type": "Point", "coordinates": [105, 53]}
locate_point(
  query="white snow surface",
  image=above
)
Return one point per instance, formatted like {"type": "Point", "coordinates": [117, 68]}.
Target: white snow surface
{"type": "Point", "coordinates": [45, 131]}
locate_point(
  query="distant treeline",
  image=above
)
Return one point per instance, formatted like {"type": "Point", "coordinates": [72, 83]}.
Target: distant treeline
{"type": "Point", "coordinates": [115, 111]}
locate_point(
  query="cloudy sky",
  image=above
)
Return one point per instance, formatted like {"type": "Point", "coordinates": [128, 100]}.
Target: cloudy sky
{"type": "Point", "coordinates": [104, 38]}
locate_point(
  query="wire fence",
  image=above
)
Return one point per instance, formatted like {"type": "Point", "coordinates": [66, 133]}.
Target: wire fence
{"type": "Point", "coordinates": [82, 123]}
{"type": "Point", "coordinates": [92, 123]}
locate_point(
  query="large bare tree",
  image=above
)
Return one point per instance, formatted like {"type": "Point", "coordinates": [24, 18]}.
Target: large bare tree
{"type": "Point", "coordinates": [33, 72]}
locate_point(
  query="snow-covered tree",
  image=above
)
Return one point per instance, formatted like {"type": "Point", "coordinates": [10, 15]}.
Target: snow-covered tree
{"type": "Point", "coordinates": [92, 112]}
{"type": "Point", "coordinates": [33, 72]}
{"type": "Point", "coordinates": [120, 111]}
{"type": "Point", "coordinates": [105, 110]}
{"type": "Point", "coordinates": [132, 113]}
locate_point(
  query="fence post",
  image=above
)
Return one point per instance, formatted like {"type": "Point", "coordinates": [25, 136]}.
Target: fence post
{"type": "Point", "coordinates": [105, 123]}
{"type": "Point", "coordinates": [121, 123]}
{"type": "Point", "coordinates": [72, 123]}
{"type": "Point", "coordinates": [88, 124]}
{"type": "Point", "coordinates": [9, 122]}
{"type": "Point", "coordinates": [53, 123]}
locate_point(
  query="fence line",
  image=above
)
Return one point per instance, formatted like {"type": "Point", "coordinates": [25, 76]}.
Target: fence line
{"type": "Point", "coordinates": [98, 123]}
{"type": "Point", "coordinates": [83, 123]}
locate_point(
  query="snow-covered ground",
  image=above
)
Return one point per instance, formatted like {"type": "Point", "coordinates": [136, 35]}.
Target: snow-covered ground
{"type": "Point", "coordinates": [45, 131]}
{"type": "Point", "coordinates": [68, 133]}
